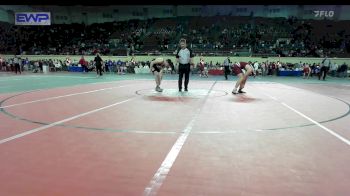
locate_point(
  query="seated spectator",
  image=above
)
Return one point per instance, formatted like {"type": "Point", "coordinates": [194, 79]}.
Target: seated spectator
{"type": "Point", "coordinates": [343, 70]}
{"type": "Point", "coordinates": [119, 67]}
{"type": "Point", "coordinates": [58, 65]}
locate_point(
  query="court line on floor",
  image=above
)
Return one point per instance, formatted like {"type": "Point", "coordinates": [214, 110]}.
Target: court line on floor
{"type": "Point", "coordinates": [9, 79]}
{"type": "Point", "coordinates": [107, 129]}
{"type": "Point", "coordinates": [24, 77]}
{"type": "Point", "coordinates": [62, 121]}
{"type": "Point", "coordinates": [341, 138]}
{"type": "Point", "coordinates": [70, 86]}
{"type": "Point", "coordinates": [85, 84]}
{"type": "Point", "coordinates": [169, 160]}
{"type": "Point", "coordinates": [62, 96]}
{"type": "Point", "coordinates": [318, 124]}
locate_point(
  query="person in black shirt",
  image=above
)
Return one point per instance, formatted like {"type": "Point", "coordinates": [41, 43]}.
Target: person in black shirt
{"type": "Point", "coordinates": [157, 66]}
{"type": "Point", "coordinates": [227, 64]}
{"type": "Point", "coordinates": [41, 66]}
{"type": "Point", "coordinates": [98, 60]}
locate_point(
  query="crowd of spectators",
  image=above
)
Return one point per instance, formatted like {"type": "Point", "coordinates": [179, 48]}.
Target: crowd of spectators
{"type": "Point", "coordinates": [223, 34]}
{"type": "Point", "coordinates": [263, 68]}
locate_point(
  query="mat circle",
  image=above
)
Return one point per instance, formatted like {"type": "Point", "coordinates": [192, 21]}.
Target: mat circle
{"type": "Point", "coordinates": [193, 93]}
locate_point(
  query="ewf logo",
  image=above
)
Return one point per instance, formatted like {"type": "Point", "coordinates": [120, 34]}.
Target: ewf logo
{"type": "Point", "coordinates": [33, 18]}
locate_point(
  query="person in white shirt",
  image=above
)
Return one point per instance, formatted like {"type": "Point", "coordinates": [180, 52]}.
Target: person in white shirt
{"type": "Point", "coordinates": [334, 68]}
{"type": "Point", "coordinates": [324, 68]}
{"type": "Point", "coordinates": [184, 57]}
{"type": "Point", "coordinates": [2, 62]}
{"type": "Point", "coordinates": [16, 61]}
{"type": "Point", "coordinates": [263, 69]}
{"type": "Point", "coordinates": [68, 62]}
{"type": "Point", "coordinates": [57, 65]}
{"type": "Point", "coordinates": [256, 67]}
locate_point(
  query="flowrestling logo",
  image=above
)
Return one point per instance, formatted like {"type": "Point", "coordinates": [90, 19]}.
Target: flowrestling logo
{"type": "Point", "coordinates": [323, 13]}
{"type": "Point", "coordinates": [33, 18]}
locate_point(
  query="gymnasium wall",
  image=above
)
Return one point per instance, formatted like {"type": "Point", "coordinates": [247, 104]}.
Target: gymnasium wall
{"type": "Point", "coordinates": [196, 59]}
{"type": "Point", "coordinates": [4, 16]}
{"type": "Point", "coordinates": [101, 14]}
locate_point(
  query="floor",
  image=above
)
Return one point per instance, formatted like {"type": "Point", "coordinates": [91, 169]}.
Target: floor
{"type": "Point", "coordinates": [76, 134]}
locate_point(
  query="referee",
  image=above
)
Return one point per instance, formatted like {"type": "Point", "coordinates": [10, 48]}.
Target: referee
{"type": "Point", "coordinates": [98, 60]}
{"type": "Point", "coordinates": [184, 57]}
{"type": "Point", "coordinates": [16, 62]}
{"type": "Point", "coordinates": [324, 68]}
{"type": "Point", "coordinates": [227, 64]}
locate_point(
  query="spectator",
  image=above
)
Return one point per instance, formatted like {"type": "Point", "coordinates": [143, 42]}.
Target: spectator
{"type": "Point", "coordinates": [98, 60]}
{"type": "Point", "coordinates": [324, 68]}
{"type": "Point", "coordinates": [17, 66]}
{"type": "Point", "coordinates": [343, 70]}
{"type": "Point", "coordinates": [227, 64]}
{"type": "Point", "coordinates": [334, 68]}
{"type": "Point", "coordinates": [83, 63]}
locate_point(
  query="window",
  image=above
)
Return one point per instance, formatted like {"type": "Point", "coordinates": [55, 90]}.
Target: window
{"type": "Point", "coordinates": [168, 11]}
{"type": "Point", "coordinates": [308, 12]}
{"type": "Point", "coordinates": [61, 17]}
{"type": "Point", "coordinates": [275, 10]}
{"type": "Point", "coordinates": [107, 15]}
{"type": "Point", "coordinates": [196, 9]}
{"type": "Point", "coordinates": [137, 14]}
{"type": "Point", "coordinates": [241, 9]}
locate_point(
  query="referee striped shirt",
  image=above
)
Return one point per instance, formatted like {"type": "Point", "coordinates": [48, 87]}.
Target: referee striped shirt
{"type": "Point", "coordinates": [184, 55]}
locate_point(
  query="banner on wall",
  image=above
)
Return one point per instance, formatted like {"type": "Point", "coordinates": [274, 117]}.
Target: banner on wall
{"type": "Point", "coordinates": [33, 18]}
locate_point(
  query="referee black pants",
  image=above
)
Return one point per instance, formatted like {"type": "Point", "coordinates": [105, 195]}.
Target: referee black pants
{"type": "Point", "coordinates": [184, 69]}
{"type": "Point", "coordinates": [17, 68]}
{"type": "Point", "coordinates": [323, 71]}
{"type": "Point", "coordinates": [99, 70]}
{"type": "Point", "coordinates": [227, 71]}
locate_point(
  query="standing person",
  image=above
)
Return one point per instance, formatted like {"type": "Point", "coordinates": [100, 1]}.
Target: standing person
{"type": "Point", "coordinates": [98, 61]}
{"type": "Point", "coordinates": [26, 64]}
{"type": "Point", "coordinates": [184, 57]}
{"type": "Point", "coordinates": [157, 66]}
{"type": "Point", "coordinates": [324, 68]}
{"type": "Point", "coordinates": [227, 63]}
{"type": "Point", "coordinates": [313, 67]}
{"type": "Point", "coordinates": [263, 69]}
{"type": "Point", "coordinates": [256, 68]}
{"type": "Point", "coordinates": [237, 69]}
{"type": "Point", "coordinates": [273, 69]}
{"type": "Point", "coordinates": [269, 69]}
{"type": "Point", "coordinates": [41, 66]}
{"type": "Point", "coordinates": [2, 63]}
{"type": "Point", "coordinates": [334, 68]}
{"type": "Point", "coordinates": [83, 64]}
{"type": "Point", "coordinates": [16, 64]}
{"type": "Point", "coordinates": [202, 68]}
